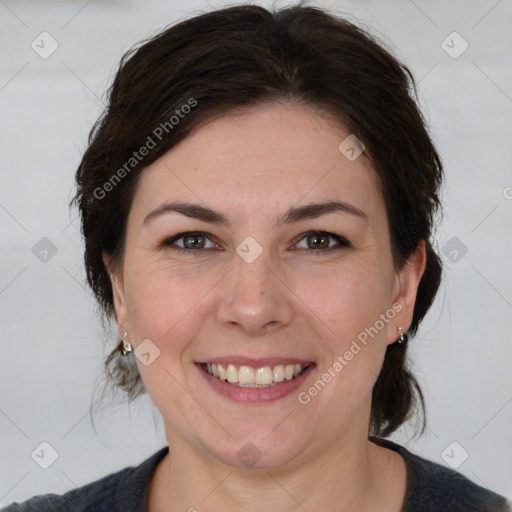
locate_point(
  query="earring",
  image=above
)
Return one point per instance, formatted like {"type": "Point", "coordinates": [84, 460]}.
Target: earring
{"type": "Point", "coordinates": [125, 347]}
{"type": "Point", "coordinates": [402, 337]}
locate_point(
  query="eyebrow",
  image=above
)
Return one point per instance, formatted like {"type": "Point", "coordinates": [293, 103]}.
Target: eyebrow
{"type": "Point", "coordinates": [294, 214]}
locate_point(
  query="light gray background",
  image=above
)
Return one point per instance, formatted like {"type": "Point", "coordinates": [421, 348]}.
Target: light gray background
{"type": "Point", "coordinates": [52, 343]}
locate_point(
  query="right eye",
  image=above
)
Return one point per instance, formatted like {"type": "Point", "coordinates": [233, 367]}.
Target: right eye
{"type": "Point", "coordinates": [193, 241]}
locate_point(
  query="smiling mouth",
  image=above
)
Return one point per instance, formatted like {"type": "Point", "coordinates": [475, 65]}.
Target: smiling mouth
{"type": "Point", "coordinates": [249, 377]}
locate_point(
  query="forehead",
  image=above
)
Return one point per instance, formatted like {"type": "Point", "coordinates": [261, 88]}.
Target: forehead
{"type": "Point", "coordinates": [261, 159]}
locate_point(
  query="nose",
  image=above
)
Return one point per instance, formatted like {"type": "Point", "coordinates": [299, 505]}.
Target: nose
{"type": "Point", "coordinates": [254, 298]}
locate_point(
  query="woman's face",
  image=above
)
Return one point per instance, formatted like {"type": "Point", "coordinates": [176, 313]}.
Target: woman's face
{"type": "Point", "coordinates": [267, 284]}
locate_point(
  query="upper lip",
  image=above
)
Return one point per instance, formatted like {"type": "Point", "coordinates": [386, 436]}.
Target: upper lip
{"type": "Point", "coordinates": [255, 362]}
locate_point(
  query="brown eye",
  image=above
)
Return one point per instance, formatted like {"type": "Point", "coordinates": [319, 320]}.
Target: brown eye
{"type": "Point", "coordinates": [193, 241]}
{"type": "Point", "coordinates": [320, 241]}
{"type": "Point", "coordinates": [188, 242]}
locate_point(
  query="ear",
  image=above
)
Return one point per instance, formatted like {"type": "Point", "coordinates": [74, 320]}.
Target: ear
{"type": "Point", "coordinates": [116, 280]}
{"type": "Point", "coordinates": [406, 285]}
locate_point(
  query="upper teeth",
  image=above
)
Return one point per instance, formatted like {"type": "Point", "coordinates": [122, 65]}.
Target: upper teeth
{"type": "Point", "coordinates": [254, 377]}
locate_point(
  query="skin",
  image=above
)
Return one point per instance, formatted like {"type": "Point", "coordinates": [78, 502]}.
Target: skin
{"type": "Point", "coordinates": [292, 301]}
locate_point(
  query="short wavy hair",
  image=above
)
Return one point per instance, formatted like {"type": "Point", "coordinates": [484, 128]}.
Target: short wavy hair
{"type": "Point", "coordinates": [245, 56]}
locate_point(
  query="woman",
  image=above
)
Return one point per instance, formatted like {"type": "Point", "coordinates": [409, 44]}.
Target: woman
{"type": "Point", "coordinates": [257, 204]}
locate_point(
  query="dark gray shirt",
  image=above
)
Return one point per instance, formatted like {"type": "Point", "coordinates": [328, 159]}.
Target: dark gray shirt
{"type": "Point", "coordinates": [430, 488]}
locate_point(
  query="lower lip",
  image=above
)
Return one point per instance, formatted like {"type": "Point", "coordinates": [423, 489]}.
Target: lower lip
{"type": "Point", "coordinates": [255, 395]}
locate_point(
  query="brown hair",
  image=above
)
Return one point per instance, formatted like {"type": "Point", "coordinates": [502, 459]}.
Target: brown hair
{"type": "Point", "coordinates": [247, 56]}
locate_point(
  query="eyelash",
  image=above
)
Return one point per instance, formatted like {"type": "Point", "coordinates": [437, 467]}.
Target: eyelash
{"type": "Point", "coordinates": [342, 242]}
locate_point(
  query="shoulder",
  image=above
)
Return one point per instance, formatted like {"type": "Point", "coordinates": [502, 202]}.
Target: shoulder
{"type": "Point", "coordinates": [121, 491]}
{"type": "Point", "coordinates": [98, 495]}
{"type": "Point", "coordinates": [432, 487]}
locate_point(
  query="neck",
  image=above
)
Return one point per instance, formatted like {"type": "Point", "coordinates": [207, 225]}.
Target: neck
{"type": "Point", "coordinates": [352, 475]}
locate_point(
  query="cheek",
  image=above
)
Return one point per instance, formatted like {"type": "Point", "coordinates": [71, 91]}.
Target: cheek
{"type": "Point", "coordinates": [348, 307]}
{"type": "Point", "coordinates": [161, 308]}
{"type": "Point", "coordinates": [159, 299]}
{"type": "Point", "coordinates": [346, 301]}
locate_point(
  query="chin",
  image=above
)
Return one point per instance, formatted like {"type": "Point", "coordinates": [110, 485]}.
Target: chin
{"type": "Point", "coordinates": [260, 451]}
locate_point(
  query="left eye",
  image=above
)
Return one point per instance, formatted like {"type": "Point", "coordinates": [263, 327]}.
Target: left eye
{"type": "Point", "coordinates": [320, 240]}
